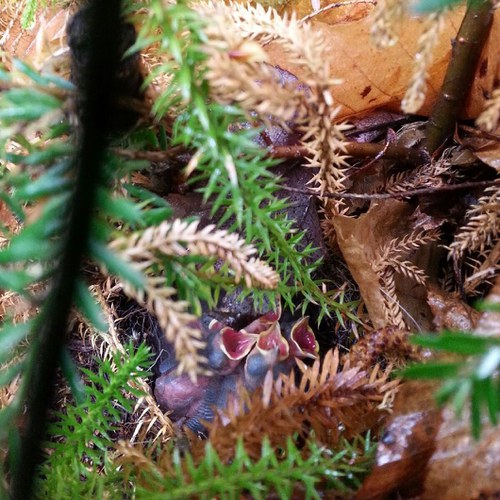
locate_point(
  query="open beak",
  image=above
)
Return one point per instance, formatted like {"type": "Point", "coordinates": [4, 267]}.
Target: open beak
{"type": "Point", "coordinates": [271, 339]}
{"type": "Point", "coordinates": [236, 344]}
{"type": "Point", "coordinates": [302, 340]}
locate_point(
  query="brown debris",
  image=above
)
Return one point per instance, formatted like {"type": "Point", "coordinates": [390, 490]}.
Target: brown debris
{"type": "Point", "coordinates": [322, 400]}
{"type": "Point", "coordinates": [450, 312]}
{"type": "Point", "coordinates": [388, 346]}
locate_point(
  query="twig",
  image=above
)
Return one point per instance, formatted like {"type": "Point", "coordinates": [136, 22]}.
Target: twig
{"type": "Point", "coordinates": [360, 150]}
{"type": "Point", "coordinates": [335, 6]}
{"type": "Point", "coordinates": [57, 92]}
{"type": "Point", "coordinates": [152, 156]}
{"type": "Point", "coordinates": [399, 195]}
{"type": "Point", "coordinates": [466, 50]}
{"type": "Point", "coordinates": [480, 133]}
{"type": "Point", "coordinates": [324, 9]}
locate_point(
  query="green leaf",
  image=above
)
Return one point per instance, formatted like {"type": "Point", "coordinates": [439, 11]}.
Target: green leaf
{"type": "Point", "coordinates": [88, 306]}
{"type": "Point", "coordinates": [26, 96]}
{"type": "Point", "coordinates": [15, 281]}
{"type": "Point", "coordinates": [460, 343]}
{"type": "Point", "coordinates": [447, 390]}
{"type": "Point", "coordinates": [461, 395]}
{"type": "Point", "coordinates": [7, 375]}
{"type": "Point", "coordinates": [120, 208]}
{"type": "Point", "coordinates": [146, 196]}
{"type": "Point", "coordinates": [51, 183]}
{"type": "Point", "coordinates": [30, 244]}
{"type": "Point", "coordinates": [423, 6]}
{"type": "Point", "coordinates": [72, 375]}
{"type": "Point", "coordinates": [476, 411]}
{"type": "Point", "coordinates": [39, 79]}
{"type": "Point", "coordinates": [29, 11]}
{"type": "Point", "coordinates": [485, 305]}
{"type": "Point", "coordinates": [43, 156]}
{"type": "Point", "coordinates": [22, 113]}
{"type": "Point", "coordinates": [432, 370]}
{"type": "Point", "coordinates": [116, 265]}
{"type": "Point", "coordinates": [11, 336]}
{"type": "Point", "coordinates": [489, 364]}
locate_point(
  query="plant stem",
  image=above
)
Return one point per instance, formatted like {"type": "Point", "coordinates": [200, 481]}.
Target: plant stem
{"type": "Point", "coordinates": [400, 195]}
{"type": "Point", "coordinates": [466, 50]}
{"type": "Point", "coordinates": [360, 150]}
{"type": "Point", "coordinates": [38, 383]}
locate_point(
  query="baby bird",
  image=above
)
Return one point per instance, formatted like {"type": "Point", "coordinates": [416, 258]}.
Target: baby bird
{"type": "Point", "coordinates": [235, 358]}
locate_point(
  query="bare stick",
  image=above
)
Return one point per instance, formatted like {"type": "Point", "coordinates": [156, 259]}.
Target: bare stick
{"type": "Point", "coordinates": [360, 150]}
{"type": "Point", "coordinates": [398, 195]}
{"type": "Point", "coordinates": [335, 5]}
{"type": "Point", "coordinates": [461, 71]}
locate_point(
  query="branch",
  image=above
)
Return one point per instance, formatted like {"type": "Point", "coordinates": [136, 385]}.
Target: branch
{"type": "Point", "coordinates": [466, 50]}
{"type": "Point", "coordinates": [360, 150]}
{"type": "Point", "coordinates": [38, 384]}
{"type": "Point", "coordinates": [399, 195]}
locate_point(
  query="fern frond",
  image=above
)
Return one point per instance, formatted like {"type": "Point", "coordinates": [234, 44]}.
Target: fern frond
{"type": "Point", "coordinates": [482, 227]}
{"type": "Point", "coordinates": [387, 17]}
{"type": "Point", "coordinates": [489, 118]}
{"type": "Point", "coordinates": [385, 346]}
{"type": "Point", "coordinates": [179, 326]}
{"type": "Point", "coordinates": [232, 168]}
{"type": "Point", "coordinates": [314, 111]}
{"type": "Point", "coordinates": [179, 238]}
{"type": "Point", "coordinates": [408, 269]}
{"type": "Point", "coordinates": [392, 309]}
{"type": "Point", "coordinates": [484, 270]}
{"type": "Point", "coordinates": [81, 436]}
{"type": "Point", "coordinates": [323, 401]}
{"type": "Point", "coordinates": [146, 249]}
{"type": "Point", "coordinates": [286, 472]}
{"type": "Point", "coordinates": [391, 259]}
{"type": "Point", "coordinates": [412, 241]}
{"type": "Point", "coordinates": [152, 423]}
{"type": "Point", "coordinates": [430, 175]}
{"type": "Point", "coordinates": [415, 94]}
{"type": "Point", "coordinates": [237, 69]}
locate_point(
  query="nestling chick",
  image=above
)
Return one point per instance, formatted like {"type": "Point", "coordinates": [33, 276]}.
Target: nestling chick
{"type": "Point", "coordinates": [236, 358]}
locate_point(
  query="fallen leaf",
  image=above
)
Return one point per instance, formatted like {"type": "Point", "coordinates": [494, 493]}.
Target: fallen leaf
{"type": "Point", "coordinates": [486, 148]}
{"type": "Point", "coordinates": [7, 218]}
{"type": "Point", "coordinates": [375, 78]}
{"type": "Point", "coordinates": [461, 467]}
{"type": "Point", "coordinates": [489, 322]}
{"type": "Point", "coordinates": [427, 453]}
{"type": "Point", "coordinates": [450, 313]}
{"type": "Point", "coordinates": [42, 43]}
{"type": "Point", "coordinates": [360, 241]}
{"type": "Point", "coordinates": [408, 442]}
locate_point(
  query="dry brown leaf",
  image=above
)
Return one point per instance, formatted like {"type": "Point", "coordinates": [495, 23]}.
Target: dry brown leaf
{"type": "Point", "coordinates": [406, 445]}
{"type": "Point", "coordinates": [360, 241]}
{"type": "Point", "coordinates": [334, 12]}
{"type": "Point", "coordinates": [489, 322]}
{"type": "Point", "coordinates": [375, 78]}
{"type": "Point", "coordinates": [461, 467]}
{"type": "Point", "coordinates": [44, 39]}
{"type": "Point", "coordinates": [428, 453]}
{"type": "Point", "coordinates": [450, 313]}
{"type": "Point", "coordinates": [486, 148]}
